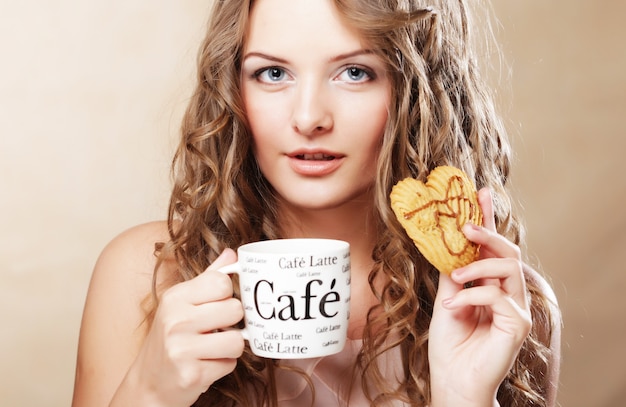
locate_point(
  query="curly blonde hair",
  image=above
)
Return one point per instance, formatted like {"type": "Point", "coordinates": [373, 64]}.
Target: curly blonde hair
{"type": "Point", "coordinates": [441, 114]}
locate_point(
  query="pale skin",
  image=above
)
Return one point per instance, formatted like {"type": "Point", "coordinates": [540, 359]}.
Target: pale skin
{"type": "Point", "coordinates": [316, 102]}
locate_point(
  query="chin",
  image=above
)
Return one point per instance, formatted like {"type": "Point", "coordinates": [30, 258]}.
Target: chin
{"type": "Point", "coordinates": [325, 203]}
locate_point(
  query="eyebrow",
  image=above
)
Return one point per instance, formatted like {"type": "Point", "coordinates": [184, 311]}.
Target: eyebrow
{"type": "Point", "coordinates": [264, 56]}
{"type": "Point", "coordinates": [351, 54]}
{"type": "Point", "coordinates": [336, 58]}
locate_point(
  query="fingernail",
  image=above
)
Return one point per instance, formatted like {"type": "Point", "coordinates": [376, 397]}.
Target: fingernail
{"type": "Point", "coordinates": [447, 302]}
{"type": "Point", "coordinates": [470, 226]}
{"type": "Point", "coordinates": [458, 272]}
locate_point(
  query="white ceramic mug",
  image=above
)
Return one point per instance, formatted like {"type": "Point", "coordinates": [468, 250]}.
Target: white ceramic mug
{"type": "Point", "coordinates": [296, 296]}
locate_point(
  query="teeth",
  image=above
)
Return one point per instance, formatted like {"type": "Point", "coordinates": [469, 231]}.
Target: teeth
{"type": "Point", "coordinates": [317, 157]}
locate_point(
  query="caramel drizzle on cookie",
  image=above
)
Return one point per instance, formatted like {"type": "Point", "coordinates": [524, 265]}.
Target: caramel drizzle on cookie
{"type": "Point", "coordinates": [446, 201]}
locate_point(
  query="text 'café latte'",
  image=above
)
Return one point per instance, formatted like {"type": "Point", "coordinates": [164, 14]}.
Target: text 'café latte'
{"type": "Point", "coordinates": [296, 296]}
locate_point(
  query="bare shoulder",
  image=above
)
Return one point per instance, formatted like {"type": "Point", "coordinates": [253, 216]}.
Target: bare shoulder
{"type": "Point", "coordinates": [136, 245]}
{"type": "Point", "coordinates": [113, 328]}
{"type": "Point", "coordinates": [125, 267]}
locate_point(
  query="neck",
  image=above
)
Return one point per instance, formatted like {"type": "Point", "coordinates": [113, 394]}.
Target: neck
{"type": "Point", "coordinates": [353, 222]}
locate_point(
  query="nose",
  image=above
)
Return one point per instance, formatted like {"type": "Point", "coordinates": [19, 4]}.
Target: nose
{"type": "Point", "coordinates": [312, 113]}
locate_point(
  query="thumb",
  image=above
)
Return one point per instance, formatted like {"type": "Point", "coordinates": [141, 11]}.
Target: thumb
{"type": "Point", "coordinates": [228, 256]}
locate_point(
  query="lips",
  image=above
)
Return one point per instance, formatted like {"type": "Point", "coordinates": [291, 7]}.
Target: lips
{"type": "Point", "coordinates": [315, 163]}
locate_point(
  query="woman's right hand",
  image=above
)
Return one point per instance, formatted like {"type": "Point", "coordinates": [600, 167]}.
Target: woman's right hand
{"type": "Point", "coordinates": [187, 348]}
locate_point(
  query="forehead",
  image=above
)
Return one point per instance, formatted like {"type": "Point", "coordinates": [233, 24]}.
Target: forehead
{"type": "Point", "coordinates": [300, 24]}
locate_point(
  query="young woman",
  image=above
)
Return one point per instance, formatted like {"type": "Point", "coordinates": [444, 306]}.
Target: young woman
{"type": "Point", "coordinates": [305, 114]}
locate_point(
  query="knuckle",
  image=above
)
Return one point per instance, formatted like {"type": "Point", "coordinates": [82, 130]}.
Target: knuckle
{"type": "Point", "coordinates": [171, 296]}
{"type": "Point", "coordinates": [493, 292]}
{"type": "Point", "coordinates": [171, 324]}
{"type": "Point", "coordinates": [235, 309]}
{"type": "Point", "coordinates": [190, 377]}
{"type": "Point", "coordinates": [174, 352]}
{"type": "Point", "coordinates": [230, 343]}
{"type": "Point", "coordinates": [238, 345]}
{"type": "Point", "coordinates": [525, 327]}
{"type": "Point", "coordinates": [222, 285]}
{"type": "Point", "coordinates": [515, 265]}
{"type": "Point", "coordinates": [517, 252]}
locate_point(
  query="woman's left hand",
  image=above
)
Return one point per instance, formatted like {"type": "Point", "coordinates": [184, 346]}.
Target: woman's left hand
{"type": "Point", "coordinates": [476, 333]}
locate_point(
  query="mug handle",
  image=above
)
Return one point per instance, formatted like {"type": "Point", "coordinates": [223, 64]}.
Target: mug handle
{"type": "Point", "coordinates": [235, 268]}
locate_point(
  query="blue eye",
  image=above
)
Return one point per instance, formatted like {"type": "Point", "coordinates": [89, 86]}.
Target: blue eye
{"type": "Point", "coordinates": [355, 74]}
{"type": "Point", "coordinates": [271, 75]}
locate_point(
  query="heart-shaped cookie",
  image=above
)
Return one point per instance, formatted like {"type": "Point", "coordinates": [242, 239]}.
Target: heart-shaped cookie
{"type": "Point", "coordinates": [434, 213]}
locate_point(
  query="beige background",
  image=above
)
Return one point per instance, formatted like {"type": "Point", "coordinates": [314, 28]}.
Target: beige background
{"type": "Point", "coordinates": [90, 98]}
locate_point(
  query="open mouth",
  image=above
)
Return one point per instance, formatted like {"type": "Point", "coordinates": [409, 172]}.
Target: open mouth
{"type": "Point", "coordinates": [315, 157]}
{"type": "Point", "coordinates": [315, 163]}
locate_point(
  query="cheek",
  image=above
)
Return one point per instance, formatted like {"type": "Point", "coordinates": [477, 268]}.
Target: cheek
{"type": "Point", "coordinates": [373, 128]}
{"type": "Point", "coordinates": [370, 113]}
{"type": "Point", "coordinates": [266, 118]}
{"type": "Point", "coordinates": [374, 125]}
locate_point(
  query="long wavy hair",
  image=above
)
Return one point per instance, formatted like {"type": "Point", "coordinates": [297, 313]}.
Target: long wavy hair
{"type": "Point", "coordinates": [441, 113]}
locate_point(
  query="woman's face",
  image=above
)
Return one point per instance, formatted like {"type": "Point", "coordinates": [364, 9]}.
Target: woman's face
{"type": "Point", "coordinates": [316, 98]}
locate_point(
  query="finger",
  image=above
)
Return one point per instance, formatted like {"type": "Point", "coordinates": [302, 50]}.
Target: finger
{"type": "Point", "coordinates": [227, 257]}
{"type": "Point", "coordinates": [507, 315]}
{"type": "Point", "coordinates": [508, 270]}
{"type": "Point", "coordinates": [218, 368]}
{"type": "Point", "coordinates": [217, 315]}
{"type": "Point", "coordinates": [216, 345]}
{"type": "Point", "coordinates": [219, 285]}
{"type": "Point", "coordinates": [491, 243]}
{"type": "Point", "coordinates": [507, 273]}
{"type": "Point", "coordinates": [215, 369]}
{"type": "Point", "coordinates": [225, 345]}
{"type": "Point", "coordinates": [485, 200]}
{"type": "Point", "coordinates": [208, 286]}
{"type": "Point", "coordinates": [447, 288]}
{"type": "Point", "coordinates": [199, 375]}
{"type": "Point", "coordinates": [213, 286]}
